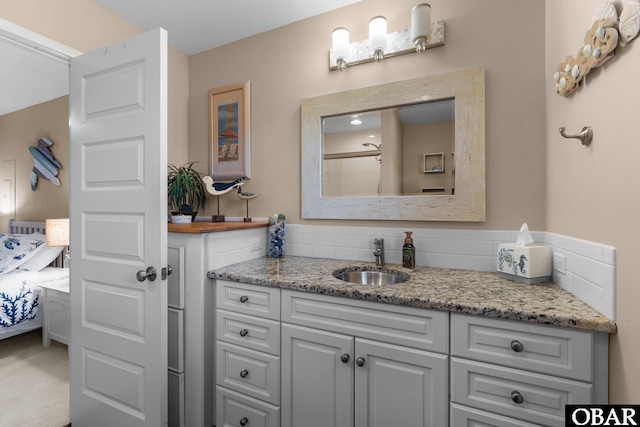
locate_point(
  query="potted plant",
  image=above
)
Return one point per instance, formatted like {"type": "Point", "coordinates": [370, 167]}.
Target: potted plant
{"type": "Point", "coordinates": [185, 191]}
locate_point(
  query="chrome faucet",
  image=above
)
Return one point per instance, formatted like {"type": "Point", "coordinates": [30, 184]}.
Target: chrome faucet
{"type": "Point", "coordinates": [378, 245]}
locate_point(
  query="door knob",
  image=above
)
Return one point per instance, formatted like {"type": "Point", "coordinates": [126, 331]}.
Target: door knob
{"type": "Point", "coordinates": [516, 346]}
{"type": "Point", "coordinates": [149, 274]}
{"type": "Point", "coordinates": [360, 361]}
{"type": "Point", "coordinates": [517, 397]}
{"type": "Point", "coordinates": [169, 269]}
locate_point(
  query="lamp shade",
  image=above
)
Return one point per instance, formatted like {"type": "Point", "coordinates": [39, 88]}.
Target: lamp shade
{"type": "Point", "coordinates": [378, 33]}
{"type": "Point", "coordinates": [57, 232]}
{"type": "Point", "coordinates": [340, 40]}
{"type": "Point", "coordinates": [421, 22]}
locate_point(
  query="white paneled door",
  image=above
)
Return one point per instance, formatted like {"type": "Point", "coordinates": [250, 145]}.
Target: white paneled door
{"type": "Point", "coordinates": [118, 212]}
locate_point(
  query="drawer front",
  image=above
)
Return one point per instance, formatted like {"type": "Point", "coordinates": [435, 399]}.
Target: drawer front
{"type": "Point", "coordinates": [545, 349]}
{"type": "Point", "coordinates": [176, 399]}
{"type": "Point", "coordinates": [462, 416]}
{"type": "Point", "coordinates": [235, 410]}
{"type": "Point", "coordinates": [175, 281]}
{"type": "Point", "coordinates": [248, 299]}
{"type": "Point", "coordinates": [248, 331]}
{"type": "Point", "coordinates": [408, 326]}
{"type": "Point", "coordinates": [498, 389]}
{"type": "Point", "coordinates": [249, 372]}
{"type": "Point", "coordinates": [175, 341]}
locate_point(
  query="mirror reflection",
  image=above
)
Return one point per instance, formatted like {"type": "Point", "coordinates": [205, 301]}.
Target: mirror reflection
{"type": "Point", "coordinates": [406, 150]}
{"type": "Point", "coordinates": [387, 194]}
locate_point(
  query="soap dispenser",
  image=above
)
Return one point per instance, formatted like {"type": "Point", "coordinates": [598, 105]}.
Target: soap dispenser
{"type": "Point", "coordinates": [408, 252]}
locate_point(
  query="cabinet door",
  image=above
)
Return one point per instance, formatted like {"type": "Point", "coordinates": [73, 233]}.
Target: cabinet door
{"type": "Point", "coordinates": [317, 386]}
{"type": "Point", "coordinates": [399, 386]}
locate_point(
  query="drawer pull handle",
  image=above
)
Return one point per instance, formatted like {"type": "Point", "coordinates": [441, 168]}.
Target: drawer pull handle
{"type": "Point", "coordinates": [517, 397]}
{"type": "Point", "coordinates": [244, 421]}
{"type": "Point", "coordinates": [360, 361]}
{"type": "Point", "coordinates": [516, 346]}
{"type": "Point", "coordinates": [244, 332]}
{"type": "Point", "coordinates": [244, 373]}
{"type": "Point", "coordinates": [344, 358]}
{"type": "Point", "coordinates": [244, 299]}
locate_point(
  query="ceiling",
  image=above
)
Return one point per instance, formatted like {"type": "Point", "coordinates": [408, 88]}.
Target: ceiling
{"type": "Point", "coordinates": [193, 26]}
{"type": "Point", "coordinates": [414, 114]}
{"type": "Point", "coordinates": [198, 25]}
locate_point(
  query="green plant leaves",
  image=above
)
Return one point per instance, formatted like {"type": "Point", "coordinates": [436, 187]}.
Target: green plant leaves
{"type": "Point", "coordinates": [184, 186]}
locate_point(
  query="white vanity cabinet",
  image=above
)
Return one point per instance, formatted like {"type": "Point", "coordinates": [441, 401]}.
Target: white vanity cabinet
{"type": "Point", "coordinates": [506, 373]}
{"type": "Point", "coordinates": [247, 355]}
{"type": "Point", "coordinates": [356, 363]}
{"type": "Point", "coordinates": [192, 252]}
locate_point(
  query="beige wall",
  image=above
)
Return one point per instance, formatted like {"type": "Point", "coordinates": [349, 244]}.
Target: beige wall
{"type": "Point", "coordinates": [63, 21]}
{"type": "Point", "coordinates": [289, 64]}
{"type": "Point", "coordinates": [21, 130]}
{"type": "Point", "coordinates": [593, 192]}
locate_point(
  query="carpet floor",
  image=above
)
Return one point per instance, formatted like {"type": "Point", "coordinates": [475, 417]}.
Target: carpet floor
{"type": "Point", "coordinates": [34, 382]}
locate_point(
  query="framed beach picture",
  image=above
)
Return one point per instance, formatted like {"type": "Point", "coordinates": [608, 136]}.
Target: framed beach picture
{"type": "Point", "coordinates": [230, 132]}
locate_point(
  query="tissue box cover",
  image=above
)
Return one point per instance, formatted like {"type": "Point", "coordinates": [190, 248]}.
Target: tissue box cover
{"type": "Point", "coordinates": [524, 263]}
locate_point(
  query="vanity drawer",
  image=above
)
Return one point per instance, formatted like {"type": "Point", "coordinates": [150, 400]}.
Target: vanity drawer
{"type": "Point", "coordinates": [236, 410]}
{"type": "Point", "coordinates": [545, 349]}
{"type": "Point", "coordinates": [255, 300]}
{"type": "Point", "coordinates": [175, 341]}
{"type": "Point", "coordinates": [407, 326]}
{"type": "Point", "coordinates": [471, 417]}
{"type": "Point", "coordinates": [497, 389]}
{"type": "Point", "coordinates": [248, 331]}
{"type": "Point", "coordinates": [175, 281]}
{"type": "Point", "coordinates": [249, 372]}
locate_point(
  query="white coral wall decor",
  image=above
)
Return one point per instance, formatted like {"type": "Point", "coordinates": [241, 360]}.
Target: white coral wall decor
{"type": "Point", "coordinates": [599, 45]}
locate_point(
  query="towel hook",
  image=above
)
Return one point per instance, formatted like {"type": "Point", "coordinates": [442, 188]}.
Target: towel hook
{"type": "Point", "coordinates": [585, 135]}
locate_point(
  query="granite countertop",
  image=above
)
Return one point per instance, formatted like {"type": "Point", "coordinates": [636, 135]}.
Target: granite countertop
{"type": "Point", "coordinates": [460, 291]}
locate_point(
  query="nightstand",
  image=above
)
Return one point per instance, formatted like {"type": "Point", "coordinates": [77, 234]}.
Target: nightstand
{"type": "Point", "coordinates": [56, 311]}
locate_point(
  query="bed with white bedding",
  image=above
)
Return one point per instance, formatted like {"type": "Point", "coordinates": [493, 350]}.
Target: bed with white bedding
{"type": "Point", "coordinates": [25, 263]}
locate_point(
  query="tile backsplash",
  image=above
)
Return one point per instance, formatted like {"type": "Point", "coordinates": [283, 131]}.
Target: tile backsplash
{"type": "Point", "coordinates": [589, 273]}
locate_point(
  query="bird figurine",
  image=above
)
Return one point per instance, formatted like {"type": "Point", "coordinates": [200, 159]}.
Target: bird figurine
{"type": "Point", "coordinates": [219, 188]}
{"type": "Point", "coordinates": [246, 197]}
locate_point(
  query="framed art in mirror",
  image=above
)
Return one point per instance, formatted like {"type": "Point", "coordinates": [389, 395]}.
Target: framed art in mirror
{"type": "Point", "coordinates": [230, 132]}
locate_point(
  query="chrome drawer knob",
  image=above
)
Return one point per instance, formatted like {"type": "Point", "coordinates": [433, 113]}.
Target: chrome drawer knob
{"type": "Point", "coordinates": [244, 421]}
{"type": "Point", "coordinates": [244, 299]}
{"type": "Point", "coordinates": [344, 358]}
{"type": "Point", "coordinates": [244, 332]}
{"type": "Point", "coordinates": [516, 346]}
{"type": "Point", "coordinates": [517, 397]}
{"type": "Point", "coordinates": [244, 373]}
{"type": "Point", "coordinates": [360, 361]}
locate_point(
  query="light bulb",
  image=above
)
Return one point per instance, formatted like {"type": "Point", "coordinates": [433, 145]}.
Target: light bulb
{"type": "Point", "coordinates": [340, 41]}
{"type": "Point", "coordinates": [378, 36]}
{"type": "Point", "coordinates": [421, 26]}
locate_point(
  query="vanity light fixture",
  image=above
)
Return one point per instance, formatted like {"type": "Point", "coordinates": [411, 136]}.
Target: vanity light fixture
{"type": "Point", "coordinates": [422, 35]}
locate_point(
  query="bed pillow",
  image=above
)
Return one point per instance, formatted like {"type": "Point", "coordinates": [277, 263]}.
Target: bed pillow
{"type": "Point", "coordinates": [16, 249]}
{"type": "Point", "coordinates": [45, 256]}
